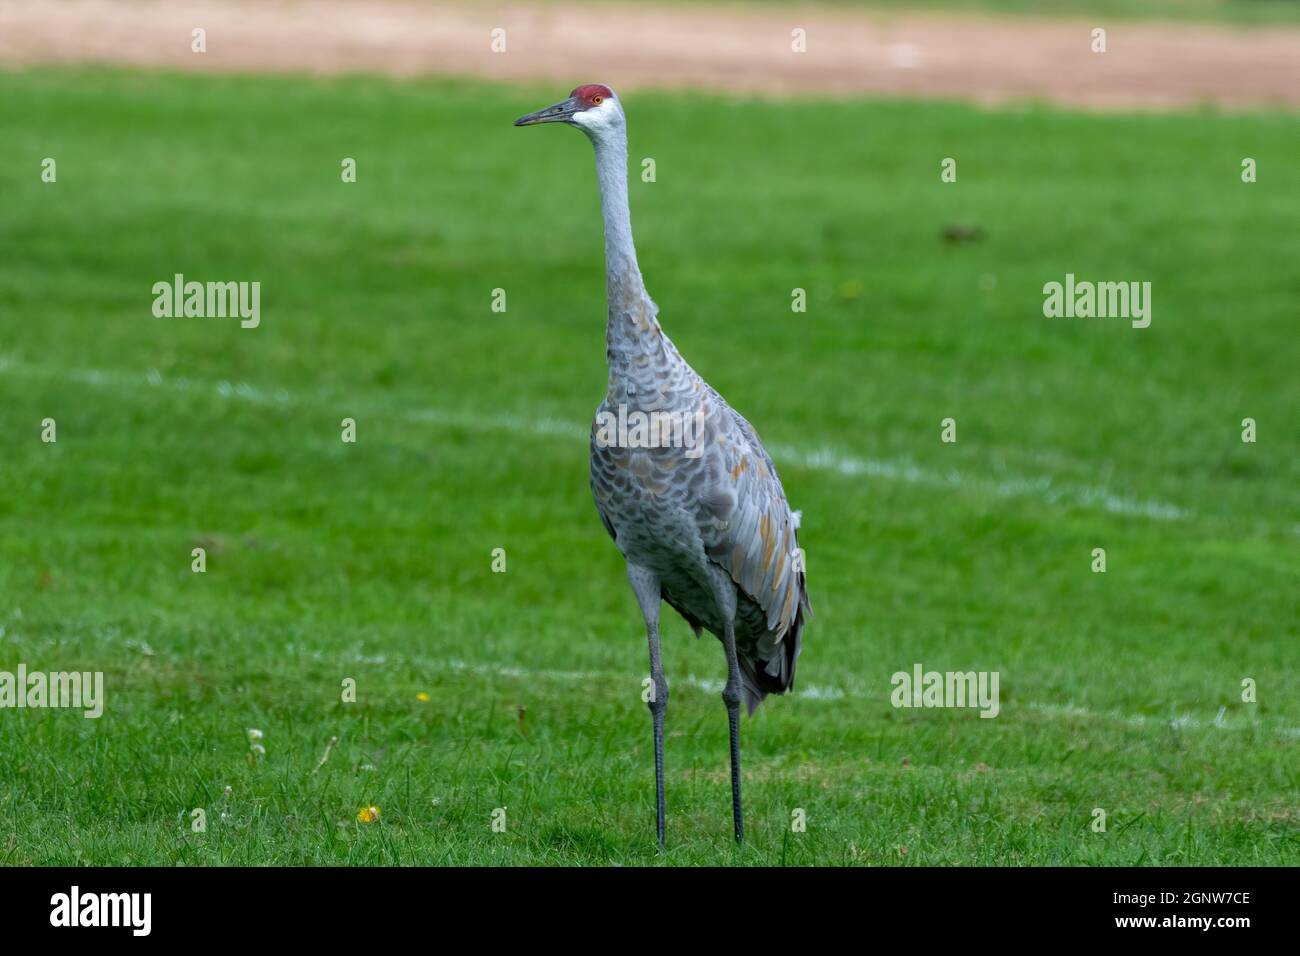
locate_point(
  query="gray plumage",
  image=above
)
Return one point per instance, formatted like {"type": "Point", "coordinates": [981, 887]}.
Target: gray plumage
{"type": "Point", "coordinates": [689, 519]}
{"type": "Point", "coordinates": [703, 525]}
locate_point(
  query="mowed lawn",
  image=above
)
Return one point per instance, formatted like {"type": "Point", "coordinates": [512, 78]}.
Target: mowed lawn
{"type": "Point", "coordinates": [373, 561]}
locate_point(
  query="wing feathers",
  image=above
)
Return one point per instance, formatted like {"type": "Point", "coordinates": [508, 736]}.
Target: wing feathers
{"type": "Point", "coordinates": [756, 542]}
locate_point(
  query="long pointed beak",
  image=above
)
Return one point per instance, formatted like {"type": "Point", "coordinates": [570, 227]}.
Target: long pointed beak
{"type": "Point", "coordinates": [558, 113]}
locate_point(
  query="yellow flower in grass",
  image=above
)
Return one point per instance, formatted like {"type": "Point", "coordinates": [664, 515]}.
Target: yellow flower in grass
{"type": "Point", "coordinates": [368, 814]}
{"type": "Point", "coordinates": [422, 697]}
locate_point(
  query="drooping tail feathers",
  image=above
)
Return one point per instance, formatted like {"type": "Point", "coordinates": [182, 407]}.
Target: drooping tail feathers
{"type": "Point", "coordinates": [776, 676]}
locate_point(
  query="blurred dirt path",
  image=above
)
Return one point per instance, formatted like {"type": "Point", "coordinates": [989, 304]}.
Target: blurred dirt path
{"type": "Point", "coordinates": [741, 50]}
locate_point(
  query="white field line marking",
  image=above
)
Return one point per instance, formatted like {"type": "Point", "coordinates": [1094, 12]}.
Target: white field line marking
{"type": "Point", "coordinates": [712, 686]}
{"type": "Point", "coordinates": [825, 459]}
{"type": "Point", "coordinates": [1083, 496]}
{"type": "Point", "coordinates": [709, 685]}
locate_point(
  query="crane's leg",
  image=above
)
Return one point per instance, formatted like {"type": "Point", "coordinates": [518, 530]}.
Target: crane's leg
{"type": "Point", "coordinates": [731, 697]}
{"type": "Point", "coordinates": [646, 585]}
{"type": "Point", "coordinates": [725, 595]}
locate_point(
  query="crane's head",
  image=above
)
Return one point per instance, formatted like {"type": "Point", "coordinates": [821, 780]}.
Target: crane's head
{"type": "Point", "coordinates": [593, 108]}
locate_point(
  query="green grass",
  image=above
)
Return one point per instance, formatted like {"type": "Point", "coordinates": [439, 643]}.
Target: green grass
{"type": "Point", "coordinates": [371, 561]}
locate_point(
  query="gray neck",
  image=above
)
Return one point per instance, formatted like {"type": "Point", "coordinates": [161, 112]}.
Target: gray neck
{"type": "Point", "coordinates": [631, 312]}
{"type": "Point", "coordinates": [611, 171]}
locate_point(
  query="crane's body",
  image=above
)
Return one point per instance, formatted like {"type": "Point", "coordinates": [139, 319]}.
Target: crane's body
{"type": "Point", "coordinates": [692, 520]}
{"type": "Point", "coordinates": [702, 522]}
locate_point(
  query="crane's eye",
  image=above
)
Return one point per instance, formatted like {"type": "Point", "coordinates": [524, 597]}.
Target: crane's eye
{"type": "Point", "coordinates": [596, 100]}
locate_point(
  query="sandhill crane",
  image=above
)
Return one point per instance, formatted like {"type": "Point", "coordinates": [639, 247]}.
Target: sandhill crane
{"type": "Point", "coordinates": [694, 505]}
